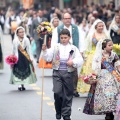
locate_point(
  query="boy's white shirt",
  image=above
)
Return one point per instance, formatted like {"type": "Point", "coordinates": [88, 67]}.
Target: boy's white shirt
{"type": "Point", "coordinates": [64, 53]}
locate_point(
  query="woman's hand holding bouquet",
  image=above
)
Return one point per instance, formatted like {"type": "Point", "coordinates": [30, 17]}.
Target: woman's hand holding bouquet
{"type": "Point", "coordinates": [11, 60]}
{"type": "Point", "coordinates": [90, 79]}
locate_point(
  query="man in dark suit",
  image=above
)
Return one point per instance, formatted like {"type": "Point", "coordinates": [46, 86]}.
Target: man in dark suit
{"type": "Point", "coordinates": [34, 34]}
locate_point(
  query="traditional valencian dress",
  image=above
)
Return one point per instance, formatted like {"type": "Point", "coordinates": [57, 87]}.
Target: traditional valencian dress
{"type": "Point", "coordinates": [102, 97]}
{"type": "Point", "coordinates": [1, 50]}
{"type": "Point", "coordinates": [23, 72]}
{"type": "Point", "coordinates": [90, 50]}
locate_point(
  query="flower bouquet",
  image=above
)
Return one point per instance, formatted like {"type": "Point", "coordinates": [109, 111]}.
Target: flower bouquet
{"type": "Point", "coordinates": [44, 28]}
{"type": "Point", "coordinates": [90, 79]}
{"type": "Point", "coordinates": [116, 48]}
{"type": "Point", "coordinates": [11, 59]}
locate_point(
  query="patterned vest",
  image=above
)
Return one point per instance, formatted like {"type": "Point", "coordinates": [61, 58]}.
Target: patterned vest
{"type": "Point", "coordinates": [56, 58]}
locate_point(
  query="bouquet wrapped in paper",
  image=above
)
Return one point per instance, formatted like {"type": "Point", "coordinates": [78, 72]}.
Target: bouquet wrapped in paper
{"type": "Point", "coordinates": [90, 79]}
{"type": "Point", "coordinates": [11, 59]}
{"type": "Point", "coordinates": [44, 28]}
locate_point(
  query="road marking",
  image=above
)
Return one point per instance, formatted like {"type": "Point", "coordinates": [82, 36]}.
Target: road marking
{"type": "Point", "coordinates": [46, 98]}
{"type": "Point", "coordinates": [33, 85]}
{"type": "Point", "coordinates": [36, 88]}
{"type": "Point", "coordinates": [40, 93]}
{"type": "Point", "coordinates": [50, 103]}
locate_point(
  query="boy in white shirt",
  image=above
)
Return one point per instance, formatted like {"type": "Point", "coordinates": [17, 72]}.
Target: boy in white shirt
{"type": "Point", "coordinates": [65, 58]}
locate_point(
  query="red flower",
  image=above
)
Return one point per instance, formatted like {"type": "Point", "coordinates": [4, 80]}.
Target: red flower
{"type": "Point", "coordinates": [11, 59]}
{"type": "Point", "coordinates": [89, 78]}
{"type": "Point", "coordinates": [86, 78]}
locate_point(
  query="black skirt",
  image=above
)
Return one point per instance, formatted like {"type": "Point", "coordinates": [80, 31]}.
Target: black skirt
{"type": "Point", "coordinates": [22, 68]}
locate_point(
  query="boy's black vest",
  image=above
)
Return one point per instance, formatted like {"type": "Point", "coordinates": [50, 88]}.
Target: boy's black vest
{"type": "Point", "coordinates": [75, 34]}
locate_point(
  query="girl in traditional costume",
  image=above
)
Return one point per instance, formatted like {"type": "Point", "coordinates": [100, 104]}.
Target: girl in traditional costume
{"type": "Point", "coordinates": [102, 97]}
{"type": "Point", "coordinates": [97, 32]}
{"type": "Point", "coordinates": [23, 72]}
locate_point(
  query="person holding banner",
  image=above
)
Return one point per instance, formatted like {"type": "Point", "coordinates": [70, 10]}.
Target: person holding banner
{"type": "Point", "coordinates": [23, 71]}
{"type": "Point", "coordinates": [65, 58]}
{"type": "Point", "coordinates": [102, 97]}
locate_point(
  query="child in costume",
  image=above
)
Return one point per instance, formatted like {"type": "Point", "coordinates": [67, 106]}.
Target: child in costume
{"type": "Point", "coordinates": [23, 71]}
{"type": "Point", "coordinates": [65, 58]}
{"type": "Point", "coordinates": [102, 97]}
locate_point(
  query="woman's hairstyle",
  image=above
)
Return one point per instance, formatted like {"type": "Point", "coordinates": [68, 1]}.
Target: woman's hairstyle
{"type": "Point", "coordinates": [54, 19]}
{"type": "Point", "coordinates": [65, 32]}
{"type": "Point", "coordinates": [19, 29]}
{"type": "Point", "coordinates": [97, 24]}
{"type": "Point", "coordinates": [104, 43]}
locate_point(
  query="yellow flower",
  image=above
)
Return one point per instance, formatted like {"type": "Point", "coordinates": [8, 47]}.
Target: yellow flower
{"type": "Point", "coordinates": [46, 23]}
{"type": "Point", "coordinates": [49, 29]}
{"type": "Point", "coordinates": [116, 48]}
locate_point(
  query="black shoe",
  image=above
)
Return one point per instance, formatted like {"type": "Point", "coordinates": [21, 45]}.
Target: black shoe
{"type": "Point", "coordinates": [23, 88]}
{"type": "Point", "coordinates": [66, 118]}
{"type": "Point", "coordinates": [58, 116]}
{"type": "Point", "coordinates": [76, 94]}
{"type": "Point", "coordinates": [108, 117]}
{"type": "Point", "coordinates": [112, 116]}
{"type": "Point", "coordinates": [20, 88]}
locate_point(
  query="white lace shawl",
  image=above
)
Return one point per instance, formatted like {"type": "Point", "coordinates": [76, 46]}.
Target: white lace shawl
{"type": "Point", "coordinates": [25, 44]}
{"type": "Point", "coordinates": [88, 40]}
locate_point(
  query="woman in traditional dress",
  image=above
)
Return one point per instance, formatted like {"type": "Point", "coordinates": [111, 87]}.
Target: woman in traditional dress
{"type": "Point", "coordinates": [23, 72]}
{"type": "Point", "coordinates": [102, 97]}
{"type": "Point", "coordinates": [1, 50]}
{"type": "Point", "coordinates": [55, 22]}
{"type": "Point", "coordinates": [115, 30]}
{"type": "Point", "coordinates": [97, 32]}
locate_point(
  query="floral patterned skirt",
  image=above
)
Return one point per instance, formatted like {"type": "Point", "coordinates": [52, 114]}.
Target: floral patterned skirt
{"type": "Point", "coordinates": [103, 97]}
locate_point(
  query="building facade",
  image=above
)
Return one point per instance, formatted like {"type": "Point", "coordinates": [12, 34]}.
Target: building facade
{"type": "Point", "coordinates": [49, 3]}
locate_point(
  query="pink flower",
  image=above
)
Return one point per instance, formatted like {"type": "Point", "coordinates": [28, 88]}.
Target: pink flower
{"type": "Point", "coordinates": [11, 59]}
{"type": "Point", "coordinates": [90, 77]}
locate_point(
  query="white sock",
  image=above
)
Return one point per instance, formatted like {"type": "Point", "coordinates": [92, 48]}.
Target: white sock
{"type": "Point", "coordinates": [19, 86]}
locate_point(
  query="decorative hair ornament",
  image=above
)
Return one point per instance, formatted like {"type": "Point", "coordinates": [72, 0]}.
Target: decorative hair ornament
{"type": "Point", "coordinates": [104, 41]}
